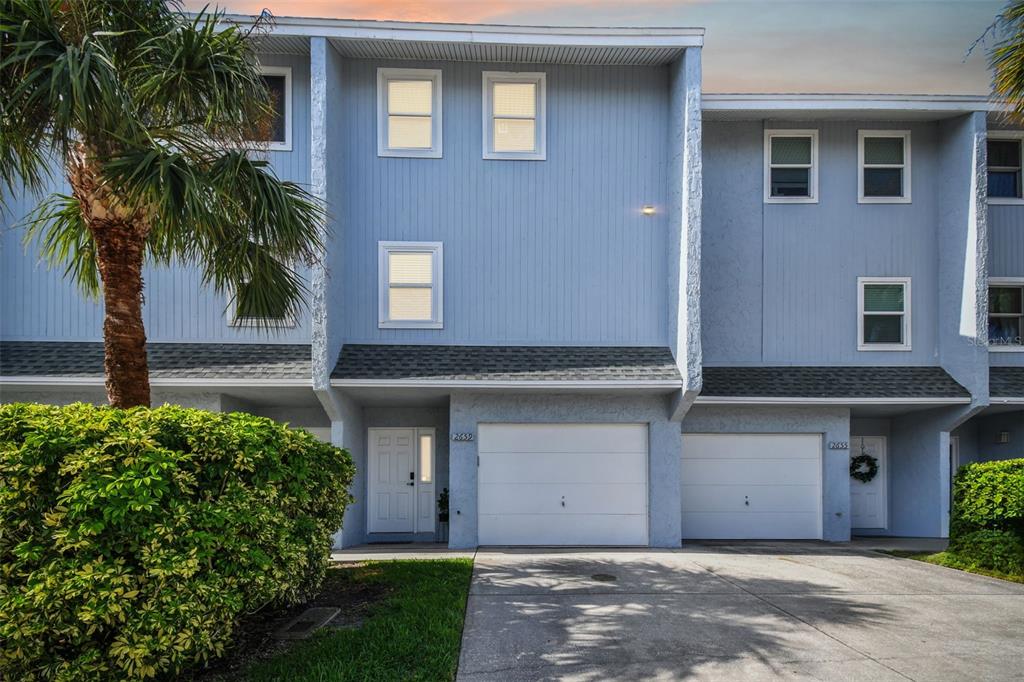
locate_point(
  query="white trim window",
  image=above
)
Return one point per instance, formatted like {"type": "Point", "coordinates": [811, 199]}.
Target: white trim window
{"type": "Point", "coordinates": [1006, 314]}
{"type": "Point", "coordinates": [791, 166]}
{"type": "Point", "coordinates": [1004, 167]}
{"type": "Point", "coordinates": [514, 115]}
{"type": "Point", "coordinates": [411, 289]}
{"type": "Point", "coordinates": [409, 113]}
{"type": "Point", "coordinates": [883, 313]}
{"type": "Point", "coordinates": [278, 135]}
{"type": "Point", "coordinates": [883, 174]}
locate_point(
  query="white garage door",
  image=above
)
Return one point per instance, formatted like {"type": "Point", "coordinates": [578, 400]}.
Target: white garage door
{"type": "Point", "coordinates": [562, 484]}
{"type": "Point", "coordinates": [751, 486]}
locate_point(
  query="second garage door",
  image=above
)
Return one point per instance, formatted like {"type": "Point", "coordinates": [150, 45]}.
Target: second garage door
{"type": "Point", "coordinates": [751, 486]}
{"type": "Point", "coordinates": [562, 484]}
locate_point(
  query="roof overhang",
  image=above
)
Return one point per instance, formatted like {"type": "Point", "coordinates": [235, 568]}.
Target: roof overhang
{"type": "Point", "coordinates": [796, 400]}
{"type": "Point", "coordinates": [725, 107]}
{"type": "Point", "coordinates": [360, 39]}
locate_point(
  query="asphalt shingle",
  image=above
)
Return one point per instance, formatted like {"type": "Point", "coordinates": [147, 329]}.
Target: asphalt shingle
{"type": "Point", "coordinates": [166, 360]}
{"type": "Point", "coordinates": [831, 382]}
{"type": "Point", "coordinates": [1006, 382]}
{"type": "Point", "coordinates": [506, 363]}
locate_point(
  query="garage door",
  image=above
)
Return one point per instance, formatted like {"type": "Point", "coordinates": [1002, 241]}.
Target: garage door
{"type": "Point", "coordinates": [751, 486]}
{"type": "Point", "coordinates": [562, 484]}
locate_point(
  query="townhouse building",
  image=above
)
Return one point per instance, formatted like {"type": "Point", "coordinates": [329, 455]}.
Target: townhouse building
{"type": "Point", "coordinates": [594, 304]}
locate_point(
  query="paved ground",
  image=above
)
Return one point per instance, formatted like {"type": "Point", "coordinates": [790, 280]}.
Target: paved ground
{"type": "Point", "coordinates": [737, 612]}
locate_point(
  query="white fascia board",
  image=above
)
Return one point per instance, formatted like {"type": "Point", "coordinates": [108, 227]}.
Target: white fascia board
{"type": "Point", "coordinates": [729, 400]}
{"type": "Point", "coordinates": [159, 381]}
{"type": "Point", "coordinates": [847, 102]}
{"type": "Point", "coordinates": [484, 34]}
{"type": "Point", "coordinates": [484, 383]}
{"type": "Point", "coordinates": [998, 400]}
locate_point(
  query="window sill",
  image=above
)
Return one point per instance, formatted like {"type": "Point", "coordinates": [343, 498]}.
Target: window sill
{"type": "Point", "coordinates": [1006, 348]}
{"type": "Point", "coordinates": [410, 325]}
{"type": "Point", "coordinates": [883, 200]}
{"type": "Point", "coordinates": [791, 200]}
{"type": "Point", "coordinates": [409, 153]}
{"type": "Point", "coordinates": [883, 347]}
{"type": "Point", "coordinates": [1005, 201]}
{"type": "Point", "coordinates": [510, 156]}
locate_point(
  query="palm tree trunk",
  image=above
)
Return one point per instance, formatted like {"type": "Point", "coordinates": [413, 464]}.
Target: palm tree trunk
{"type": "Point", "coordinates": [119, 252]}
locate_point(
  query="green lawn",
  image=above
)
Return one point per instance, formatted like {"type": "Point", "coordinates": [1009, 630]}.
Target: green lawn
{"type": "Point", "coordinates": [412, 634]}
{"type": "Point", "coordinates": [951, 560]}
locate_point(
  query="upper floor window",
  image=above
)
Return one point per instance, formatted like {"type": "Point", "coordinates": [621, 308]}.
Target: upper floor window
{"type": "Point", "coordinates": [883, 319]}
{"type": "Point", "coordinates": [409, 112]}
{"type": "Point", "coordinates": [1004, 168]}
{"type": "Point", "coordinates": [884, 176]}
{"type": "Point", "coordinates": [411, 282]}
{"type": "Point", "coordinates": [791, 166]}
{"type": "Point", "coordinates": [276, 133]}
{"type": "Point", "coordinates": [514, 115]}
{"type": "Point", "coordinates": [1006, 314]}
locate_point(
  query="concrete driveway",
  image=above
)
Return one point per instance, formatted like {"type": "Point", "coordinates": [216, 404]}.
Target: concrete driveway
{"type": "Point", "coordinates": [728, 612]}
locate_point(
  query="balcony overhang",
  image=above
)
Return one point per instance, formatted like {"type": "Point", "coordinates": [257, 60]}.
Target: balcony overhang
{"type": "Point", "coordinates": [739, 107]}
{"type": "Point", "coordinates": [395, 40]}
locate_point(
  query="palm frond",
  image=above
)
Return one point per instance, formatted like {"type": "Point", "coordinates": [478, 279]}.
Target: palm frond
{"type": "Point", "coordinates": [58, 229]}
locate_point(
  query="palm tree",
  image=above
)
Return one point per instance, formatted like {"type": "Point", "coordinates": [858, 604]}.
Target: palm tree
{"type": "Point", "coordinates": [1007, 58]}
{"type": "Point", "coordinates": [149, 113]}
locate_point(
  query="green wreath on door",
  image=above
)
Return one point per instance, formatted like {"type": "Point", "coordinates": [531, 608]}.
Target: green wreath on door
{"type": "Point", "coordinates": [863, 467]}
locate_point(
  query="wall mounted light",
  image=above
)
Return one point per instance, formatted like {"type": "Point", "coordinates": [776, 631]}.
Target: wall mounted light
{"type": "Point", "coordinates": [1003, 438]}
{"type": "Point", "coordinates": [647, 210]}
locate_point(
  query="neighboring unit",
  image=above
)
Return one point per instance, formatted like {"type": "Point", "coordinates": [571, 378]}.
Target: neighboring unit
{"type": "Point", "coordinates": [595, 305]}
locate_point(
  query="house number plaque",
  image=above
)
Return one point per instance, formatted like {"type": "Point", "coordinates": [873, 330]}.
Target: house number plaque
{"type": "Point", "coordinates": [838, 445]}
{"type": "Point", "coordinates": [462, 436]}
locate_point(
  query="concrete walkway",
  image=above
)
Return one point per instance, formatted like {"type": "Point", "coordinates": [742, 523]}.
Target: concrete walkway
{"type": "Point", "coordinates": [735, 612]}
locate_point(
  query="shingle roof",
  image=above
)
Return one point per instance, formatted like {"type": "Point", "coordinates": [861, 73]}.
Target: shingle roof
{"type": "Point", "coordinates": [166, 360]}
{"type": "Point", "coordinates": [506, 363]}
{"type": "Point", "coordinates": [1006, 382]}
{"type": "Point", "coordinates": [831, 382]}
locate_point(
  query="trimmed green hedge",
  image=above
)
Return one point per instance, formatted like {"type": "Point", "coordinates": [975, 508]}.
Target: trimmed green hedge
{"type": "Point", "coordinates": [132, 540]}
{"type": "Point", "coordinates": [987, 527]}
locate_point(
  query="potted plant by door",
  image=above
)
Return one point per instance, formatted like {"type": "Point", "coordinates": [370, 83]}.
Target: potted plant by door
{"type": "Point", "coordinates": [442, 506]}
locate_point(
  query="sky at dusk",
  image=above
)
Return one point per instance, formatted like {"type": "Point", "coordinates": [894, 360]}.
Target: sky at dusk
{"type": "Point", "coordinates": [776, 46]}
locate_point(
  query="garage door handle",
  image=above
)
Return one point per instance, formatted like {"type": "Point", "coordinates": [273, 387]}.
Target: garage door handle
{"type": "Point", "coordinates": [746, 500]}
{"type": "Point", "coordinates": [563, 500]}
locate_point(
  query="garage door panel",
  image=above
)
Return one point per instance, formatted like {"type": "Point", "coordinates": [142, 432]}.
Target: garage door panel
{"type": "Point", "coordinates": [751, 486]}
{"type": "Point", "coordinates": [580, 498]}
{"type": "Point", "coordinates": [749, 526]}
{"type": "Point", "coordinates": [751, 471]}
{"type": "Point", "coordinates": [549, 438]}
{"type": "Point", "coordinates": [761, 498]}
{"type": "Point", "coordinates": [751, 445]}
{"type": "Point", "coordinates": [526, 469]}
{"type": "Point", "coordinates": [554, 467]}
{"type": "Point", "coordinates": [566, 529]}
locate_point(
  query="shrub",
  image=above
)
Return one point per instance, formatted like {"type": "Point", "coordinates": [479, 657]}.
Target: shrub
{"type": "Point", "coordinates": [987, 526]}
{"type": "Point", "coordinates": [132, 540]}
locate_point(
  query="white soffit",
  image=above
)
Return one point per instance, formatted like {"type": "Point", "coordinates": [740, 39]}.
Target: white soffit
{"type": "Point", "coordinates": [480, 42]}
{"type": "Point", "coordinates": [737, 107]}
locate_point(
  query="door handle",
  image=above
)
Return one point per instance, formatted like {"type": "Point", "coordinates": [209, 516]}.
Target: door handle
{"type": "Point", "coordinates": [746, 500]}
{"type": "Point", "coordinates": [410, 483]}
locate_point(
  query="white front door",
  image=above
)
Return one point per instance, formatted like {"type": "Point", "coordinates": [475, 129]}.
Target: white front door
{"type": "Point", "coordinates": [401, 481]}
{"type": "Point", "coordinates": [869, 502]}
{"type": "Point", "coordinates": [751, 486]}
{"type": "Point", "coordinates": [562, 484]}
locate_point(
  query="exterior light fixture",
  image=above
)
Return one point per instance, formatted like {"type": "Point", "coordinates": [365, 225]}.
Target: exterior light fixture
{"type": "Point", "coordinates": [1003, 438]}
{"type": "Point", "coordinates": [647, 210]}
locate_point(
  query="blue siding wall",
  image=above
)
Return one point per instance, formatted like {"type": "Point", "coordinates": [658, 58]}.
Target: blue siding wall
{"type": "Point", "coordinates": [39, 304]}
{"type": "Point", "coordinates": [780, 281]}
{"type": "Point", "coordinates": [536, 252]}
